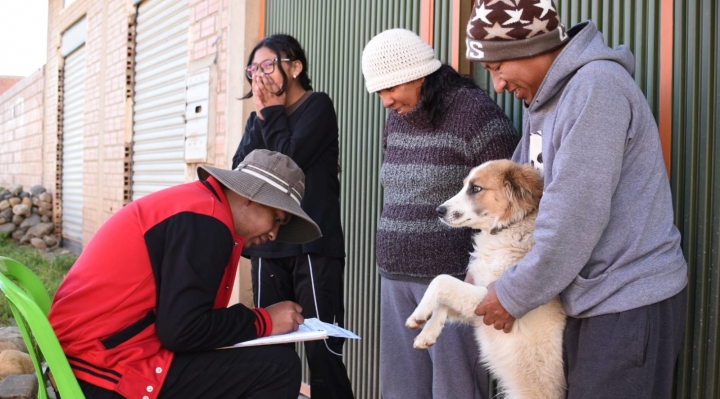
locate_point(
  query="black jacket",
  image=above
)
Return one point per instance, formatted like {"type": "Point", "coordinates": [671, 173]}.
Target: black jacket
{"type": "Point", "coordinates": [307, 132]}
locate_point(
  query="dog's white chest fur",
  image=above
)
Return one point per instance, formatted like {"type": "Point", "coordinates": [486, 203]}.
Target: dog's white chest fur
{"type": "Point", "coordinates": [495, 253]}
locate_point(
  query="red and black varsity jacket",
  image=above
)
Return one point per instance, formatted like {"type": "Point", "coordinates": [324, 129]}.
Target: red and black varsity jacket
{"type": "Point", "coordinates": [154, 280]}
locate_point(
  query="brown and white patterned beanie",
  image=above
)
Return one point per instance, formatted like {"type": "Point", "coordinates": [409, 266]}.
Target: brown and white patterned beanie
{"type": "Point", "coordinates": [501, 30]}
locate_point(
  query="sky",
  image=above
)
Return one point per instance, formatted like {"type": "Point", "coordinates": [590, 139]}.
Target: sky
{"type": "Point", "coordinates": [23, 36]}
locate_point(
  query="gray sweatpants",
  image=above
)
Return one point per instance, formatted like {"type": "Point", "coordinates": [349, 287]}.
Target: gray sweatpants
{"type": "Point", "coordinates": [450, 369]}
{"type": "Point", "coordinates": [626, 355]}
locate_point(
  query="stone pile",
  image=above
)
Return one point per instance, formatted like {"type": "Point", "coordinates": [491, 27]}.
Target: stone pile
{"type": "Point", "coordinates": [17, 373]}
{"type": "Point", "coordinates": [27, 216]}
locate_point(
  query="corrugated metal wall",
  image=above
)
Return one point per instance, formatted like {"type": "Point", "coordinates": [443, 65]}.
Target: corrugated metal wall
{"type": "Point", "coordinates": [695, 180]}
{"type": "Point", "coordinates": [333, 35]}
{"type": "Point", "coordinates": [633, 23]}
{"type": "Point", "coordinates": [442, 30]}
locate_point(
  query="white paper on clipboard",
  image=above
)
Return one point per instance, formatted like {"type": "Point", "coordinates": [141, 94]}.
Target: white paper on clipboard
{"type": "Point", "coordinates": [311, 329]}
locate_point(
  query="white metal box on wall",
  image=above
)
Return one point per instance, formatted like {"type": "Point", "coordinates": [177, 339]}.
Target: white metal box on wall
{"type": "Point", "coordinates": [197, 98]}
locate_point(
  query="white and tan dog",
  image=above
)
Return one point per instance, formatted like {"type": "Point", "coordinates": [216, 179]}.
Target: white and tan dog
{"type": "Point", "coordinates": [501, 199]}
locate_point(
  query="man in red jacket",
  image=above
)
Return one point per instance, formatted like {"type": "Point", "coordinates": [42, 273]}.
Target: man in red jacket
{"type": "Point", "coordinates": [144, 308]}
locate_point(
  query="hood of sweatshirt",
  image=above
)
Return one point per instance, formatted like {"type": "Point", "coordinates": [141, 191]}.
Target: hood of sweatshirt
{"type": "Point", "coordinates": [586, 45]}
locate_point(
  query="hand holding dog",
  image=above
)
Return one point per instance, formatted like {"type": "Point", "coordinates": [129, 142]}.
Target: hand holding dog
{"type": "Point", "coordinates": [493, 311]}
{"type": "Point", "coordinates": [285, 317]}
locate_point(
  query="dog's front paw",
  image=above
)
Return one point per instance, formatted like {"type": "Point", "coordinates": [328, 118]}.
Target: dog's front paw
{"type": "Point", "coordinates": [413, 323]}
{"type": "Point", "coordinates": [424, 340]}
{"type": "Point", "coordinates": [422, 313]}
{"type": "Point", "coordinates": [419, 317]}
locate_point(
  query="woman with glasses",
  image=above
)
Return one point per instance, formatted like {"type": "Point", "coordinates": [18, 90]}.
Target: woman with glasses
{"type": "Point", "coordinates": [293, 119]}
{"type": "Point", "coordinates": [440, 125]}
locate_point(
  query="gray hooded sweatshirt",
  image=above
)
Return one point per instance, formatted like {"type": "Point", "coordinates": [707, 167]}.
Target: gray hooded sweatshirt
{"type": "Point", "coordinates": [605, 238]}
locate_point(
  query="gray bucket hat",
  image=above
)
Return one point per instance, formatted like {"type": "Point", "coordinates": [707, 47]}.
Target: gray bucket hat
{"type": "Point", "coordinates": [273, 179]}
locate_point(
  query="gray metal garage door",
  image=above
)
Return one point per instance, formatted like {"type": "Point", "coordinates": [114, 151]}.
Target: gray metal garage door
{"type": "Point", "coordinates": [72, 155]}
{"type": "Point", "coordinates": [159, 103]}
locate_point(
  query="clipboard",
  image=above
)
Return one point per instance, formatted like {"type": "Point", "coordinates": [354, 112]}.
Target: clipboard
{"type": "Point", "coordinates": [311, 329]}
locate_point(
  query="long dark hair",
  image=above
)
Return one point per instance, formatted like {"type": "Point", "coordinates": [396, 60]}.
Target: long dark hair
{"type": "Point", "coordinates": [434, 90]}
{"type": "Point", "coordinates": [284, 46]}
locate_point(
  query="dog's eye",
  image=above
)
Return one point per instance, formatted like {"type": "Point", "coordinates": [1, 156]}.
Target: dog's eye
{"type": "Point", "coordinates": [476, 189]}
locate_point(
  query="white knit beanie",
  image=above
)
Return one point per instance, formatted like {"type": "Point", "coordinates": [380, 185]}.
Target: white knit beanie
{"type": "Point", "coordinates": [394, 57]}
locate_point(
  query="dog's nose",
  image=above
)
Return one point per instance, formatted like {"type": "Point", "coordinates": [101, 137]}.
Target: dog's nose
{"type": "Point", "coordinates": [441, 210]}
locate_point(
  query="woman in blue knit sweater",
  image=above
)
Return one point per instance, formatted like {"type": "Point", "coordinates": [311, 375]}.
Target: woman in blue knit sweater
{"type": "Point", "coordinates": [440, 126]}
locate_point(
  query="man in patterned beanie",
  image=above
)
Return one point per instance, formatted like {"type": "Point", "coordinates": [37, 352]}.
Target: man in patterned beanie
{"type": "Point", "coordinates": [605, 239]}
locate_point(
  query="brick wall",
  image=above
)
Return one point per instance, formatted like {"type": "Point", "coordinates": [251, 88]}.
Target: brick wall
{"type": "Point", "coordinates": [21, 133]}
{"type": "Point", "coordinates": [208, 38]}
{"type": "Point", "coordinates": [106, 56]}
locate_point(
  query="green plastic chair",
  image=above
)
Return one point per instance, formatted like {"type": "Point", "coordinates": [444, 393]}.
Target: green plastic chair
{"type": "Point", "coordinates": [30, 308]}
{"type": "Point", "coordinates": [27, 280]}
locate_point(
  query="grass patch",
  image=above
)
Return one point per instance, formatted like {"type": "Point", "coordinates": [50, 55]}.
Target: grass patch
{"type": "Point", "coordinates": [49, 267]}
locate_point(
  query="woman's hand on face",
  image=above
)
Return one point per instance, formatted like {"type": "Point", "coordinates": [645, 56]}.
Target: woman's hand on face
{"type": "Point", "coordinates": [258, 97]}
{"type": "Point", "coordinates": [265, 89]}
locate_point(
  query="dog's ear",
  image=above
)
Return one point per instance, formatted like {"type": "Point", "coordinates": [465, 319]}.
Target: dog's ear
{"type": "Point", "coordinates": [524, 186]}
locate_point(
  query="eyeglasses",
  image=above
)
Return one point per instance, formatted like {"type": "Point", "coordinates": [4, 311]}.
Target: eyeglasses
{"type": "Point", "coordinates": [267, 67]}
